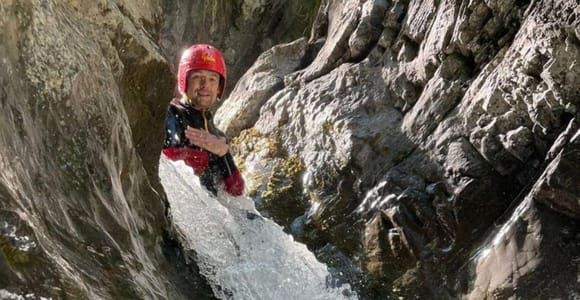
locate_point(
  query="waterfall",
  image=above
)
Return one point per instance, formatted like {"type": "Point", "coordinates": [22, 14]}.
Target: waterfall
{"type": "Point", "coordinates": [242, 254]}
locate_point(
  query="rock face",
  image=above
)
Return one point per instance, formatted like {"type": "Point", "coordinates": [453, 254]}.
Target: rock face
{"type": "Point", "coordinates": [83, 92]}
{"type": "Point", "coordinates": [421, 125]}
{"type": "Point", "coordinates": [259, 83]}
{"type": "Point", "coordinates": [437, 142]}
{"type": "Point", "coordinates": [535, 252]}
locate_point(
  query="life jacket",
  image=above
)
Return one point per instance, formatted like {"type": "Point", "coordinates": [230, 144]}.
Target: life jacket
{"type": "Point", "coordinates": [219, 169]}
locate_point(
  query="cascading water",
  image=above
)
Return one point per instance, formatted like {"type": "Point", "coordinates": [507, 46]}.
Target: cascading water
{"type": "Point", "coordinates": [242, 254]}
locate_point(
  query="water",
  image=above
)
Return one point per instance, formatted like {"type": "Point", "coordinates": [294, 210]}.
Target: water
{"type": "Point", "coordinates": [242, 254]}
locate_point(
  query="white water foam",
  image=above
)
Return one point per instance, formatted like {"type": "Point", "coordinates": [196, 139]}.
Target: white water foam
{"type": "Point", "coordinates": [242, 258]}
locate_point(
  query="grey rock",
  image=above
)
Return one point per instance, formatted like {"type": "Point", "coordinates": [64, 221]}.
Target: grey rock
{"type": "Point", "coordinates": [438, 98]}
{"type": "Point", "coordinates": [341, 19]}
{"type": "Point", "coordinates": [433, 134]}
{"type": "Point", "coordinates": [464, 160]}
{"type": "Point", "coordinates": [328, 130]}
{"type": "Point", "coordinates": [81, 82]}
{"type": "Point", "coordinates": [559, 187]}
{"type": "Point", "coordinates": [518, 142]}
{"type": "Point", "coordinates": [417, 20]}
{"type": "Point", "coordinates": [265, 78]}
{"type": "Point", "coordinates": [368, 30]}
{"type": "Point", "coordinates": [438, 133]}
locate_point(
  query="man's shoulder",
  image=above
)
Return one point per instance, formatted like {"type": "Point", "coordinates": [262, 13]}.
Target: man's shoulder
{"type": "Point", "coordinates": [176, 104]}
{"type": "Point", "coordinates": [177, 107]}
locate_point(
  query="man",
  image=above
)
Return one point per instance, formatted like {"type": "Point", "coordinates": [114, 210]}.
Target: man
{"type": "Point", "coordinates": [190, 133]}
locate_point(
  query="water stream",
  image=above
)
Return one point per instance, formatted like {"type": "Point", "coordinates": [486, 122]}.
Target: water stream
{"type": "Point", "coordinates": [242, 254]}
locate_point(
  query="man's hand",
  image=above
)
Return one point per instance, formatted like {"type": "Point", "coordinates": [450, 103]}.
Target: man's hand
{"type": "Point", "coordinates": [201, 138]}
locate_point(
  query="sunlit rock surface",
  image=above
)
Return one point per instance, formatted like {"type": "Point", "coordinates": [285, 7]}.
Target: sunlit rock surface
{"type": "Point", "coordinates": [83, 89]}
{"type": "Point", "coordinates": [259, 83]}
{"type": "Point", "coordinates": [424, 125]}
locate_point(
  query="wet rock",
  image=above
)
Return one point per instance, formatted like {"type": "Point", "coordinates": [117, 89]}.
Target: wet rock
{"type": "Point", "coordinates": [478, 202]}
{"type": "Point", "coordinates": [82, 82]}
{"type": "Point", "coordinates": [558, 187]}
{"type": "Point", "coordinates": [533, 253]}
{"type": "Point", "coordinates": [437, 134]}
{"type": "Point", "coordinates": [273, 178]}
{"type": "Point", "coordinates": [341, 268]}
{"type": "Point", "coordinates": [23, 265]}
{"type": "Point", "coordinates": [421, 125]}
{"type": "Point", "coordinates": [391, 185]}
{"type": "Point", "coordinates": [384, 245]}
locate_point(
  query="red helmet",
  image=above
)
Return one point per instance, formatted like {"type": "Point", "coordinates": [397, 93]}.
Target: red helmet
{"type": "Point", "coordinates": [201, 57]}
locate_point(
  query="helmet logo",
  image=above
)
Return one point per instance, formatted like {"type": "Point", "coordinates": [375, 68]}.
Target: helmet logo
{"type": "Point", "coordinates": [207, 58]}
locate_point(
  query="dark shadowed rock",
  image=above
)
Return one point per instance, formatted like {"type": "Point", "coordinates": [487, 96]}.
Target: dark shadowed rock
{"type": "Point", "coordinates": [559, 186]}
{"type": "Point", "coordinates": [533, 254]}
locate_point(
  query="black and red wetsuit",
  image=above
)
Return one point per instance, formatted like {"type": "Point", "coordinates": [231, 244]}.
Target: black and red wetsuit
{"type": "Point", "coordinates": [212, 170]}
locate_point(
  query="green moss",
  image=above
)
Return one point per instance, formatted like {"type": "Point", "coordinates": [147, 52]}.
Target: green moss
{"type": "Point", "coordinates": [13, 256]}
{"type": "Point", "coordinates": [327, 127]}
{"type": "Point", "coordinates": [146, 88]}
{"type": "Point", "coordinates": [252, 141]}
{"type": "Point", "coordinates": [71, 155]}
{"type": "Point", "coordinates": [281, 197]}
{"type": "Point", "coordinates": [411, 284]}
{"type": "Point", "coordinates": [284, 180]}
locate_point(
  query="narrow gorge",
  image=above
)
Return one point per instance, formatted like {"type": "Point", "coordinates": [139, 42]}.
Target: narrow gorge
{"type": "Point", "coordinates": [420, 149]}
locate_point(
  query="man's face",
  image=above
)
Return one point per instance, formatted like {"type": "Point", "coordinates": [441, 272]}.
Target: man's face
{"type": "Point", "coordinates": [203, 87]}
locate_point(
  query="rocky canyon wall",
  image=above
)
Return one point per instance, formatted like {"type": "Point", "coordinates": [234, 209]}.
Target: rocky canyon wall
{"type": "Point", "coordinates": [84, 90]}
{"type": "Point", "coordinates": [80, 218]}
{"type": "Point", "coordinates": [433, 142]}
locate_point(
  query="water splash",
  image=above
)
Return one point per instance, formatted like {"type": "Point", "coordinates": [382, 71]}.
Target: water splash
{"type": "Point", "coordinates": [242, 254]}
